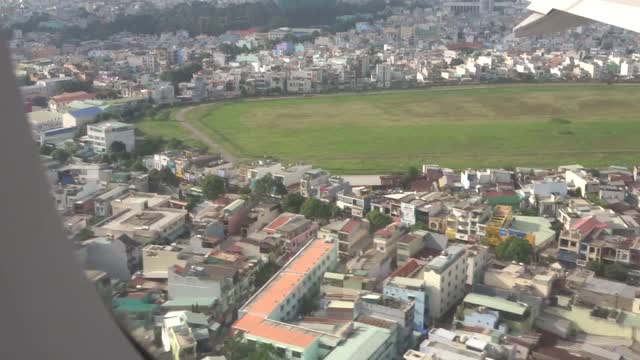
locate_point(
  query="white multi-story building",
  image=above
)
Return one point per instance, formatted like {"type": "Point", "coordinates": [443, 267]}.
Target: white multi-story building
{"type": "Point", "coordinates": [477, 262]}
{"type": "Point", "coordinates": [445, 277]}
{"type": "Point", "coordinates": [103, 135]}
{"type": "Point", "coordinates": [580, 179]}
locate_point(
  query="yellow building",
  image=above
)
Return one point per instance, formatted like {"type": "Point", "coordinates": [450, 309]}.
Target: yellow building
{"type": "Point", "coordinates": [500, 219]}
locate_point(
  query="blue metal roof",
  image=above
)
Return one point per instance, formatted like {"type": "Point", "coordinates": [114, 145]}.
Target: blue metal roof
{"type": "Point", "coordinates": [86, 112]}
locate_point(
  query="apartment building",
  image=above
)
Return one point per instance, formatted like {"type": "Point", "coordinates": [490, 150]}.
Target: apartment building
{"type": "Point", "coordinates": [501, 219]}
{"type": "Point", "coordinates": [157, 259]}
{"type": "Point", "coordinates": [407, 290]}
{"type": "Point", "coordinates": [409, 245]}
{"type": "Point", "coordinates": [477, 262]}
{"type": "Point", "coordinates": [355, 203]}
{"type": "Point", "coordinates": [144, 225]}
{"type": "Point", "coordinates": [445, 277]}
{"type": "Point", "coordinates": [352, 234]}
{"type": "Point", "coordinates": [465, 220]}
{"type": "Point", "coordinates": [582, 181]}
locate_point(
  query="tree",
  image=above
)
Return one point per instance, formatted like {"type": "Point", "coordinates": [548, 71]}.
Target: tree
{"type": "Point", "coordinates": [175, 144]}
{"type": "Point", "coordinates": [266, 272]}
{"type": "Point", "coordinates": [213, 187]}
{"type": "Point", "coordinates": [316, 209]}
{"type": "Point", "coordinates": [267, 185]}
{"type": "Point", "coordinates": [75, 86]}
{"type": "Point", "coordinates": [60, 155]}
{"type": "Point", "coordinates": [235, 348]}
{"type": "Point", "coordinates": [456, 62]}
{"type": "Point", "coordinates": [419, 225]}
{"type": "Point", "coordinates": [378, 220]}
{"type": "Point", "coordinates": [138, 166]}
{"type": "Point", "coordinates": [192, 202]}
{"type": "Point", "coordinates": [411, 175]}
{"type": "Point", "coordinates": [164, 176]}
{"type": "Point", "coordinates": [616, 271]}
{"type": "Point", "coordinates": [292, 203]}
{"type": "Point", "coordinates": [516, 249]}
{"type": "Point", "coordinates": [118, 147]}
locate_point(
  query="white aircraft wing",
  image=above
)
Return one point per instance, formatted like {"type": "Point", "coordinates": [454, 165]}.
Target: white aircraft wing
{"type": "Point", "coordinates": [558, 15]}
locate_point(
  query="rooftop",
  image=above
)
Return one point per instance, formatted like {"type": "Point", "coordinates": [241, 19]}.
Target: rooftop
{"type": "Point", "coordinates": [362, 344]}
{"type": "Point", "coordinates": [496, 303]}
{"type": "Point", "coordinates": [111, 124]}
{"type": "Point", "coordinates": [539, 226]}
{"type": "Point", "coordinates": [448, 257]}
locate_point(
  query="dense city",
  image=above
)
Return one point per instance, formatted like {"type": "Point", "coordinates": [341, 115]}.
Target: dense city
{"type": "Point", "coordinates": [201, 252]}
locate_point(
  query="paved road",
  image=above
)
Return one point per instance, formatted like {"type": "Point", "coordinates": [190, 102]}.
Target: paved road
{"type": "Point", "coordinates": [199, 135]}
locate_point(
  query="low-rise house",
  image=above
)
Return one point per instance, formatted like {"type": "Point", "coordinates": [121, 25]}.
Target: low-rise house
{"type": "Point", "coordinates": [409, 289]}
{"type": "Point", "coordinates": [352, 235]}
{"type": "Point", "coordinates": [516, 276]}
{"type": "Point", "coordinates": [465, 220]}
{"type": "Point", "coordinates": [157, 259]}
{"type": "Point", "coordinates": [516, 315]}
{"type": "Point", "coordinates": [582, 181]}
{"type": "Point", "coordinates": [373, 264]}
{"type": "Point", "coordinates": [355, 203]}
{"type": "Point", "coordinates": [59, 102]}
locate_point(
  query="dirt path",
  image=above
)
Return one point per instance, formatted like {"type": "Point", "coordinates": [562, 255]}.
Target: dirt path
{"type": "Point", "coordinates": [199, 135]}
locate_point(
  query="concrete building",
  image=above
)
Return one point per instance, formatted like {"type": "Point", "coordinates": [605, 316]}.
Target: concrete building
{"type": "Point", "coordinates": [445, 277]}
{"type": "Point", "coordinates": [477, 262]}
{"type": "Point", "coordinates": [367, 342]}
{"type": "Point", "coordinates": [580, 179]}
{"type": "Point", "coordinates": [79, 117]}
{"type": "Point", "coordinates": [262, 318]}
{"type": "Point", "coordinates": [162, 93]}
{"type": "Point", "coordinates": [102, 203]}
{"type": "Point", "coordinates": [138, 201]}
{"type": "Point", "coordinates": [355, 203]}
{"type": "Point", "coordinates": [407, 290]}
{"type": "Point", "coordinates": [465, 220]}
{"type": "Point", "coordinates": [144, 225]}
{"type": "Point", "coordinates": [44, 120]}
{"type": "Point", "coordinates": [102, 135]}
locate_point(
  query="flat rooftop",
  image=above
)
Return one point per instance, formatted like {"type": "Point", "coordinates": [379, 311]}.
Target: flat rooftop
{"type": "Point", "coordinates": [496, 303]}
{"type": "Point", "coordinates": [137, 198]}
{"type": "Point", "coordinates": [448, 257]}
{"type": "Point", "coordinates": [148, 219]}
{"type": "Point", "coordinates": [362, 344]}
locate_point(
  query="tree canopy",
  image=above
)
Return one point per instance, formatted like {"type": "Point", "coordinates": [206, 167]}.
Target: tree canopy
{"type": "Point", "coordinates": [235, 348]}
{"type": "Point", "coordinates": [268, 185]}
{"type": "Point", "coordinates": [292, 203]}
{"type": "Point", "coordinates": [378, 220]}
{"type": "Point", "coordinates": [164, 176]}
{"type": "Point", "coordinates": [60, 155]}
{"type": "Point", "coordinates": [515, 248]}
{"type": "Point", "coordinates": [316, 209]}
{"type": "Point", "coordinates": [213, 187]}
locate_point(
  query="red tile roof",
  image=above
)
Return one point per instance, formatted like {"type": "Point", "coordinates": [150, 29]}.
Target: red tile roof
{"type": "Point", "coordinates": [587, 224]}
{"type": "Point", "coordinates": [261, 327]}
{"type": "Point", "coordinates": [275, 224]}
{"type": "Point", "coordinates": [256, 322]}
{"type": "Point", "coordinates": [406, 270]}
{"type": "Point", "coordinates": [490, 194]}
{"type": "Point", "coordinates": [349, 226]}
{"type": "Point", "coordinates": [69, 97]}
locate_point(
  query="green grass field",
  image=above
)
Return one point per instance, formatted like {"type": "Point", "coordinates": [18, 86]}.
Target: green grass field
{"type": "Point", "coordinates": [594, 125]}
{"type": "Point", "coordinates": [163, 124]}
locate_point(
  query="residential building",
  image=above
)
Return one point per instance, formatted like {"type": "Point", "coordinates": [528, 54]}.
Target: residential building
{"type": "Point", "coordinates": [445, 277]}
{"type": "Point", "coordinates": [355, 203]}
{"type": "Point", "coordinates": [293, 230]}
{"type": "Point", "coordinates": [44, 120]}
{"type": "Point", "coordinates": [118, 257]}
{"type": "Point", "coordinates": [162, 93]}
{"type": "Point", "coordinates": [409, 245]}
{"type": "Point", "coordinates": [352, 235]}
{"type": "Point", "coordinates": [517, 315]}
{"type": "Point", "coordinates": [144, 225]}
{"type": "Point", "coordinates": [517, 277]}
{"type": "Point", "coordinates": [102, 135]}
{"type": "Point", "coordinates": [386, 240]}
{"type": "Point", "coordinates": [465, 220]}
{"type": "Point", "coordinates": [582, 181]}
{"type": "Point", "coordinates": [185, 334]}
{"type": "Point", "coordinates": [373, 264]}
{"type": "Point", "coordinates": [102, 283]}
{"type": "Point", "coordinates": [573, 247]}
{"type": "Point", "coordinates": [262, 318]}
{"type": "Point", "coordinates": [501, 219]}
{"type": "Point", "coordinates": [390, 309]}
{"type": "Point", "coordinates": [477, 262]}
{"type": "Point", "coordinates": [332, 280]}
{"type": "Point", "coordinates": [407, 290]}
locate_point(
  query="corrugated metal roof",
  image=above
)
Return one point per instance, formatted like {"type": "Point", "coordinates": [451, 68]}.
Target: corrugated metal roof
{"type": "Point", "coordinates": [496, 303]}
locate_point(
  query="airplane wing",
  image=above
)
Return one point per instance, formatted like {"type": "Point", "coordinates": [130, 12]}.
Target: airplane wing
{"type": "Point", "coordinates": [558, 15]}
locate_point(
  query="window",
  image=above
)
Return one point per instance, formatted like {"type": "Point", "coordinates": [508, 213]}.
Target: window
{"type": "Point", "coordinates": [296, 354]}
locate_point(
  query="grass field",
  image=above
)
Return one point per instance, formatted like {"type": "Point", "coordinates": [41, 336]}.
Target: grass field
{"type": "Point", "coordinates": [456, 127]}
{"type": "Point", "coordinates": [163, 124]}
